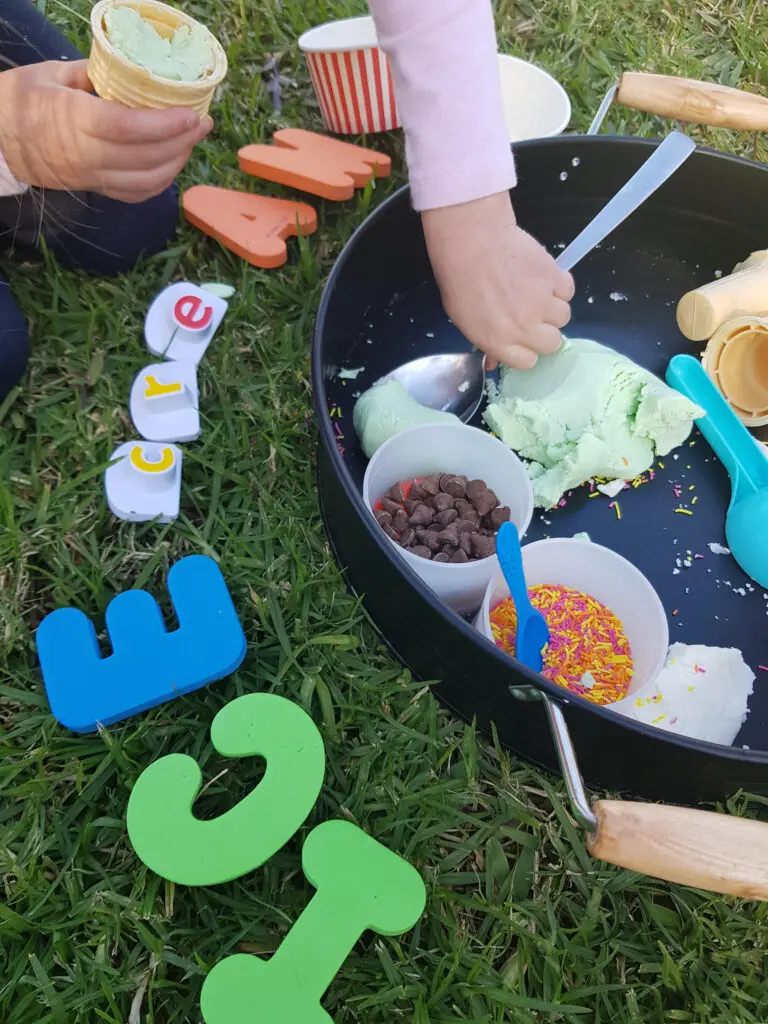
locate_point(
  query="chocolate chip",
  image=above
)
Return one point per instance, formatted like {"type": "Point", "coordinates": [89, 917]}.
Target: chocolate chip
{"type": "Point", "coordinates": [485, 501]}
{"type": "Point", "coordinates": [431, 484]}
{"type": "Point", "coordinates": [460, 555]}
{"type": "Point", "coordinates": [443, 502]}
{"type": "Point", "coordinates": [390, 506]}
{"type": "Point", "coordinates": [499, 516]}
{"type": "Point", "coordinates": [399, 521]}
{"type": "Point", "coordinates": [465, 543]}
{"type": "Point", "coordinates": [417, 493]}
{"type": "Point", "coordinates": [422, 516]}
{"type": "Point", "coordinates": [472, 517]}
{"type": "Point", "coordinates": [462, 506]}
{"type": "Point", "coordinates": [395, 493]}
{"type": "Point", "coordinates": [450, 535]}
{"type": "Point", "coordinates": [453, 485]}
{"type": "Point", "coordinates": [410, 505]}
{"type": "Point", "coordinates": [475, 487]}
{"type": "Point", "coordinates": [390, 533]}
{"type": "Point", "coordinates": [441, 556]}
{"type": "Point", "coordinates": [421, 551]}
{"type": "Point", "coordinates": [382, 518]}
{"type": "Point", "coordinates": [483, 547]}
{"type": "Point", "coordinates": [446, 518]}
{"type": "Point", "coordinates": [429, 539]}
{"type": "Point", "coordinates": [466, 525]}
{"type": "Point", "coordinates": [407, 537]}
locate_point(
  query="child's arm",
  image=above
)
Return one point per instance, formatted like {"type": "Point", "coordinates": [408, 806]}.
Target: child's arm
{"type": "Point", "coordinates": [443, 56]}
{"type": "Point", "coordinates": [499, 286]}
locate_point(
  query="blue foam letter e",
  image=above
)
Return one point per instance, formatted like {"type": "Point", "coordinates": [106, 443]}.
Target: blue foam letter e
{"type": "Point", "coordinates": [148, 665]}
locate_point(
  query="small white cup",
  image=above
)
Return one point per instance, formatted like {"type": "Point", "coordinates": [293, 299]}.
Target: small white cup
{"type": "Point", "coordinates": [351, 76]}
{"type": "Point", "coordinates": [464, 451]}
{"type": "Point", "coordinates": [606, 576]}
{"type": "Point", "coordinates": [536, 106]}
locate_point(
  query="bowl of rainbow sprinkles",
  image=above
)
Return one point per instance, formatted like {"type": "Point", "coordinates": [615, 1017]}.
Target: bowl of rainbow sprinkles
{"type": "Point", "coordinates": [608, 629]}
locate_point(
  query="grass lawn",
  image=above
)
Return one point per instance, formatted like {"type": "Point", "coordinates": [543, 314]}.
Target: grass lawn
{"type": "Point", "coordinates": [520, 926]}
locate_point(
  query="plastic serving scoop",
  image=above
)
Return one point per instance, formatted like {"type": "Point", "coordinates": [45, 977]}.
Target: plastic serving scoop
{"type": "Point", "coordinates": [743, 457]}
{"type": "Point", "coordinates": [532, 630]}
{"type": "Point", "coordinates": [455, 383]}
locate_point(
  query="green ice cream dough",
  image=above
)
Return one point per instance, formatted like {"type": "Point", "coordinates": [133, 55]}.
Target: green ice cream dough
{"type": "Point", "coordinates": [185, 57]}
{"type": "Point", "coordinates": [385, 409]}
{"type": "Point", "coordinates": [586, 412]}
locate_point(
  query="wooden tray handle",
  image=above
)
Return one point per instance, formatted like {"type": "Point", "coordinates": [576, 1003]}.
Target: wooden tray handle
{"type": "Point", "coordinates": [684, 99]}
{"type": "Point", "coordinates": [710, 851]}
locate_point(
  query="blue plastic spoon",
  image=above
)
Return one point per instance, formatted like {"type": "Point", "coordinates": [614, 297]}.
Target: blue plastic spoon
{"type": "Point", "coordinates": [742, 456]}
{"type": "Point", "coordinates": [532, 630]}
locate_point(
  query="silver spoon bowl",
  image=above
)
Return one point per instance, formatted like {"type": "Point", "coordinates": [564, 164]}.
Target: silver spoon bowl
{"type": "Point", "coordinates": [448, 383]}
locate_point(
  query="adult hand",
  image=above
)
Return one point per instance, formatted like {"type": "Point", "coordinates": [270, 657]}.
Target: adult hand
{"type": "Point", "coordinates": [54, 133]}
{"type": "Point", "coordinates": [501, 288]}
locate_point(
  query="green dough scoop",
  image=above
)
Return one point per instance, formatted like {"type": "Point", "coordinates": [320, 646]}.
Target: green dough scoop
{"type": "Point", "coordinates": [742, 456]}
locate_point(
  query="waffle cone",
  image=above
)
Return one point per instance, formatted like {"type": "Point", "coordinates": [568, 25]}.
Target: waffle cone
{"type": "Point", "coordinates": [115, 78]}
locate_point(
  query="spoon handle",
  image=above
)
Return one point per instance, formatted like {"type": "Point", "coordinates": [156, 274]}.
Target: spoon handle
{"type": "Point", "coordinates": [671, 154]}
{"type": "Point", "coordinates": [729, 439]}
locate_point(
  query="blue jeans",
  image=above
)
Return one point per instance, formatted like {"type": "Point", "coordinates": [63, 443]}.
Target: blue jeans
{"type": "Point", "coordinates": [84, 231]}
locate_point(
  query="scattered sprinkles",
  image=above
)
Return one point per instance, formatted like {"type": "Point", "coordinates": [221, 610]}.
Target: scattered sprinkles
{"type": "Point", "coordinates": [586, 640]}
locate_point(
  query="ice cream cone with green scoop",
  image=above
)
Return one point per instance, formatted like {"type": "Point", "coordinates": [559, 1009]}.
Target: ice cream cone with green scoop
{"type": "Point", "coordinates": [148, 54]}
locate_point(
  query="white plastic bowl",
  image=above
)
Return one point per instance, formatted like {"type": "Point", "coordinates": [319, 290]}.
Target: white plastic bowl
{"type": "Point", "coordinates": [609, 578]}
{"type": "Point", "coordinates": [452, 448]}
{"type": "Point", "coordinates": [536, 106]}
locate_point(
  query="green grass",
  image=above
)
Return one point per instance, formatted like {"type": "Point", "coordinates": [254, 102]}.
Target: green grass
{"type": "Point", "coordinates": [520, 926]}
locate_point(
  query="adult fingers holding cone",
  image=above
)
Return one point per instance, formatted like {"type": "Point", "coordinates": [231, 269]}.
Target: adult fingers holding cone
{"type": "Point", "coordinates": [162, 67]}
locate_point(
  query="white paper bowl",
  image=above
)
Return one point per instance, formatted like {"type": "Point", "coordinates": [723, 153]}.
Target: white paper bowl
{"type": "Point", "coordinates": [536, 106]}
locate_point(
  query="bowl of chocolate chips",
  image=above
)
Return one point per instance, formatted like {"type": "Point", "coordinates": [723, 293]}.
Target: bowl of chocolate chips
{"type": "Point", "coordinates": [440, 492]}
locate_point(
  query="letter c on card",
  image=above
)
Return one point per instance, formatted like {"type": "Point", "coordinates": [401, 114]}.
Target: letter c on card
{"type": "Point", "coordinates": [187, 313]}
{"type": "Point", "coordinates": [175, 844]}
{"type": "Point", "coordinates": [141, 462]}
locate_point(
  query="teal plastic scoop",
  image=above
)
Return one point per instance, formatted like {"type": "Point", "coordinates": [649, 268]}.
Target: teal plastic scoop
{"type": "Point", "coordinates": [532, 630]}
{"type": "Point", "coordinates": [743, 457]}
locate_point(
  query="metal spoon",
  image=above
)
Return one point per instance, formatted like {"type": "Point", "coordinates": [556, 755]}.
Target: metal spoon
{"type": "Point", "coordinates": [455, 383]}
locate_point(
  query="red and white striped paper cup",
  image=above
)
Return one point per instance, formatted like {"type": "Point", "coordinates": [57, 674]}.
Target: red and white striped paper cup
{"type": "Point", "coordinates": [351, 77]}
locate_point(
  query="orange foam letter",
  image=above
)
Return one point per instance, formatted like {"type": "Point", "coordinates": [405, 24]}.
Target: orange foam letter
{"type": "Point", "coordinates": [254, 227]}
{"type": "Point", "coordinates": [314, 163]}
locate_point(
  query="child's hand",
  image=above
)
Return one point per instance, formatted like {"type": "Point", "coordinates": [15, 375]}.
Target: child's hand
{"type": "Point", "coordinates": [501, 288]}
{"type": "Point", "coordinates": [54, 133]}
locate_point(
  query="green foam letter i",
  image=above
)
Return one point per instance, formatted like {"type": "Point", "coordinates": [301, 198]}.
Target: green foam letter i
{"type": "Point", "coordinates": [360, 885]}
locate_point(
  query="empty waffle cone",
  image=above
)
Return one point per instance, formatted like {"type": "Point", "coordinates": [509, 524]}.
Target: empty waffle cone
{"type": "Point", "coordinates": [736, 359]}
{"type": "Point", "coordinates": [114, 77]}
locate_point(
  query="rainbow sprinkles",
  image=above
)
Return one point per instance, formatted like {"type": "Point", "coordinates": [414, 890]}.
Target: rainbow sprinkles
{"type": "Point", "coordinates": [588, 652]}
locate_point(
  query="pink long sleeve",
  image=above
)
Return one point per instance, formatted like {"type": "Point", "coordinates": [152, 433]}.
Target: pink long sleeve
{"type": "Point", "coordinates": [445, 70]}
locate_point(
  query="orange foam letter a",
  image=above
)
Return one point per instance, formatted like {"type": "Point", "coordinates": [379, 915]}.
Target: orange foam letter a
{"type": "Point", "coordinates": [314, 163]}
{"type": "Point", "coordinates": [254, 227]}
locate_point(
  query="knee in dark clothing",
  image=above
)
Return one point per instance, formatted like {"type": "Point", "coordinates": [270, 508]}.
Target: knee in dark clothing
{"type": "Point", "coordinates": [14, 342]}
{"type": "Point", "coordinates": [89, 232]}
{"type": "Point", "coordinates": [111, 237]}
